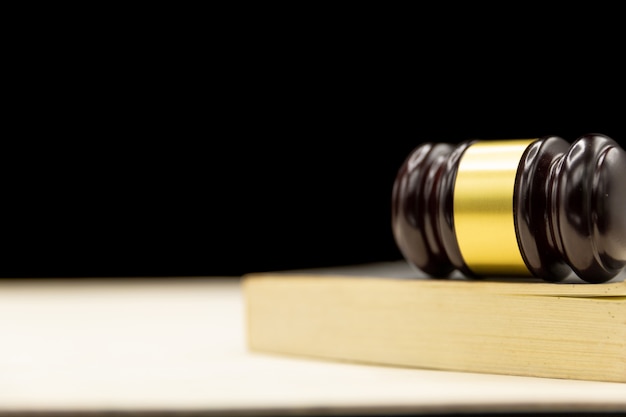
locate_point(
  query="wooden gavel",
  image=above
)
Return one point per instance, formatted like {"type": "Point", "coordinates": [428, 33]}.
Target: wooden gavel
{"type": "Point", "coordinates": [536, 207]}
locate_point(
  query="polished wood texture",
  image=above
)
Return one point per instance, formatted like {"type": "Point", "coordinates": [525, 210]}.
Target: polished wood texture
{"type": "Point", "coordinates": [569, 205]}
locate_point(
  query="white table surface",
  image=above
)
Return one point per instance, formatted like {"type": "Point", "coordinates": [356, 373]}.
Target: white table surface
{"type": "Point", "coordinates": [178, 344]}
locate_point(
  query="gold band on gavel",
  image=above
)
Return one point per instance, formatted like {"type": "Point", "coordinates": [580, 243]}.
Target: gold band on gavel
{"type": "Point", "coordinates": [483, 207]}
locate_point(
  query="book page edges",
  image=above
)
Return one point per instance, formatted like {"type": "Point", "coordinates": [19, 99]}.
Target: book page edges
{"type": "Point", "coordinates": [530, 329]}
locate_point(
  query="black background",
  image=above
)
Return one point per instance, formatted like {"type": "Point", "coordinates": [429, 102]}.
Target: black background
{"type": "Point", "coordinates": [147, 156]}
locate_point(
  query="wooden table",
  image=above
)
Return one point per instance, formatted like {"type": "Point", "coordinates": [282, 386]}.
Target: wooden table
{"type": "Point", "coordinates": [177, 345]}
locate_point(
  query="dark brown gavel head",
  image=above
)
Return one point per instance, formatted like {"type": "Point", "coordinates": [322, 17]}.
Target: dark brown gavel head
{"type": "Point", "coordinates": [536, 207]}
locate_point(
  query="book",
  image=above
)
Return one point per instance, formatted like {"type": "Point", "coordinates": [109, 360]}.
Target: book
{"type": "Point", "coordinates": [392, 315]}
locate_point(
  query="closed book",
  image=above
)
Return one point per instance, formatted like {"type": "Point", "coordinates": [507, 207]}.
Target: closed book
{"type": "Point", "coordinates": [388, 314]}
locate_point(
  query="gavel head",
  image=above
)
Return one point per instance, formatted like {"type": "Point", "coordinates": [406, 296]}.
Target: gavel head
{"type": "Point", "coordinates": [532, 207]}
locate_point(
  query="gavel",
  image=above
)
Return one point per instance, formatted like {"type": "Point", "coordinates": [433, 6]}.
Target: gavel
{"type": "Point", "coordinates": [533, 207]}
